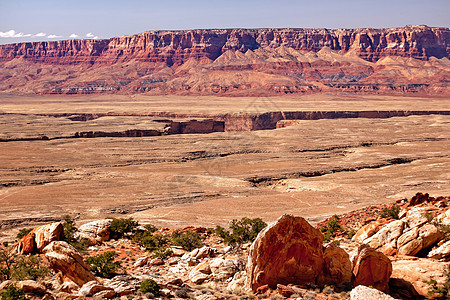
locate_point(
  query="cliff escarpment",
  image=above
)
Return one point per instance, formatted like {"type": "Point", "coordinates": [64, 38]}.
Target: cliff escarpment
{"type": "Point", "coordinates": [176, 47]}
{"type": "Point", "coordinates": [234, 62]}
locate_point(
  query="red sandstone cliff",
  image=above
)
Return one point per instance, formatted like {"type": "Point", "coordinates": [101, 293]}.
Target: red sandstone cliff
{"type": "Point", "coordinates": [176, 47]}
{"type": "Point", "coordinates": [233, 61]}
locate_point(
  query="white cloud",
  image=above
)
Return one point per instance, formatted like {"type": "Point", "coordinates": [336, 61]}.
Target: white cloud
{"type": "Point", "coordinates": [13, 34]}
{"type": "Point", "coordinates": [40, 34]}
{"type": "Point", "coordinates": [53, 36]}
{"type": "Point", "coordinates": [90, 35]}
{"type": "Point", "coordinates": [73, 36]}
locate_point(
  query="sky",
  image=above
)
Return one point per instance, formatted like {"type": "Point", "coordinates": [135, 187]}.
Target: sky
{"type": "Point", "coordinates": [38, 20]}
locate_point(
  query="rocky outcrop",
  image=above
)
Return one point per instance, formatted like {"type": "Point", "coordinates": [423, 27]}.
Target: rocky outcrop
{"type": "Point", "coordinates": [362, 292]}
{"type": "Point", "coordinates": [297, 247]}
{"type": "Point", "coordinates": [337, 267]}
{"type": "Point", "coordinates": [40, 237]}
{"type": "Point", "coordinates": [240, 62]}
{"type": "Point", "coordinates": [95, 231]}
{"type": "Point", "coordinates": [414, 274]}
{"type": "Point", "coordinates": [65, 259]}
{"type": "Point", "coordinates": [177, 47]}
{"type": "Point", "coordinates": [371, 268]}
{"type": "Point", "coordinates": [411, 235]}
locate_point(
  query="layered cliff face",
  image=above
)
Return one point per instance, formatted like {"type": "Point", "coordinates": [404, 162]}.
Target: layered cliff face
{"type": "Point", "coordinates": [234, 61]}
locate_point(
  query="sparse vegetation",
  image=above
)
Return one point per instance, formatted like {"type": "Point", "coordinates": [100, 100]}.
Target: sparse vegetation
{"type": "Point", "coordinates": [121, 227]}
{"type": "Point", "coordinates": [242, 231]}
{"type": "Point", "coordinates": [390, 212]}
{"type": "Point", "coordinates": [331, 229]}
{"type": "Point", "coordinates": [440, 291]}
{"type": "Point", "coordinates": [150, 286]}
{"type": "Point", "coordinates": [188, 240]}
{"type": "Point", "coordinates": [445, 229]}
{"type": "Point", "coordinates": [16, 267]}
{"type": "Point", "coordinates": [13, 293]}
{"type": "Point", "coordinates": [29, 268]}
{"type": "Point", "coordinates": [23, 232]}
{"type": "Point", "coordinates": [69, 231]}
{"type": "Point", "coordinates": [104, 265]}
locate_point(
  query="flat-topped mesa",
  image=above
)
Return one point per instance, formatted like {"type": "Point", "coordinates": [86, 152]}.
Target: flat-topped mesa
{"type": "Point", "coordinates": [176, 47]}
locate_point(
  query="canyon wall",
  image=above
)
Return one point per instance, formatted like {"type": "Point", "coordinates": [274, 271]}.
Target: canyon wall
{"type": "Point", "coordinates": [177, 47]}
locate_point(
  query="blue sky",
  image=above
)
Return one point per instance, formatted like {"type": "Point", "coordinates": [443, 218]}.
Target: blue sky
{"type": "Point", "coordinates": [34, 20]}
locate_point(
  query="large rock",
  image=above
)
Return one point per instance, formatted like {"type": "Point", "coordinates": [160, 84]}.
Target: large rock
{"type": "Point", "coordinates": [40, 237]}
{"type": "Point", "coordinates": [386, 238]}
{"type": "Point", "coordinates": [411, 235]}
{"type": "Point", "coordinates": [337, 267]}
{"type": "Point", "coordinates": [92, 287]}
{"type": "Point", "coordinates": [96, 231]}
{"type": "Point", "coordinates": [287, 251]}
{"type": "Point", "coordinates": [200, 273]}
{"type": "Point", "coordinates": [223, 269]}
{"type": "Point", "coordinates": [65, 259]}
{"type": "Point", "coordinates": [32, 287]}
{"type": "Point", "coordinates": [418, 272]}
{"type": "Point", "coordinates": [371, 268]}
{"type": "Point", "coordinates": [362, 292]}
{"type": "Point", "coordinates": [442, 252]}
{"type": "Point", "coordinates": [369, 230]}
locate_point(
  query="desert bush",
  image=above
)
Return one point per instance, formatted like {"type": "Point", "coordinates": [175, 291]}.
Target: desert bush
{"type": "Point", "coordinates": [29, 268]}
{"type": "Point", "coordinates": [150, 228]}
{"type": "Point", "coordinates": [390, 212]}
{"type": "Point", "coordinates": [13, 293]}
{"type": "Point", "coordinates": [440, 291]}
{"type": "Point", "coordinates": [7, 262]}
{"type": "Point", "coordinates": [242, 231]}
{"type": "Point", "coordinates": [120, 227]}
{"type": "Point", "coordinates": [188, 240]}
{"type": "Point", "coordinates": [333, 225]}
{"type": "Point", "coordinates": [150, 286]}
{"type": "Point", "coordinates": [104, 265]}
{"type": "Point", "coordinates": [151, 241]}
{"type": "Point", "coordinates": [23, 232]}
{"type": "Point", "coordinates": [162, 252]}
{"type": "Point", "coordinates": [69, 231]}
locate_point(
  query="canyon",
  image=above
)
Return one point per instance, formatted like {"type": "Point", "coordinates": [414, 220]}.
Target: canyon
{"type": "Point", "coordinates": [235, 62]}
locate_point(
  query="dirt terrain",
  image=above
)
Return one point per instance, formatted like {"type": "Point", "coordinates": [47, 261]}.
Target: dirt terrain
{"type": "Point", "coordinates": [313, 168]}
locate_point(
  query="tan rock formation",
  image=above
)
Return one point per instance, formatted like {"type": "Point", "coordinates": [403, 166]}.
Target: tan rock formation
{"type": "Point", "coordinates": [287, 251]}
{"type": "Point", "coordinates": [337, 267]}
{"type": "Point", "coordinates": [96, 231]}
{"type": "Point", "coordinates": [65, 259]}
{"type": "Point", "coordinates": [418, 271]}
{"type": "Point", "coordinates": [371, 268]}
{"type": "Point", "coordinates": [40, 237]}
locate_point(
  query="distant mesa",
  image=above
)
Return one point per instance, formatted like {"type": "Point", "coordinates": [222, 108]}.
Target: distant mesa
{"type": "Point", "coordinates": [412, 59]}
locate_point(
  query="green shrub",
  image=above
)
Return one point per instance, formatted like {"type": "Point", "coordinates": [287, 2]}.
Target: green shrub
{"type": "Point", "coordinates": [429, 215]}
{"type": "Point", "coordinates": [188, 240]}
{"type": "Point", "coordinates": [390, 212]}
{"type": "Point", "coordinates": [13, 293]}
{"type": "Point", "coordinates": [350, 232]}
{"type": "Point", "coordinates": [150, 286]}
{"type": "Point", "coordinates": [69, 231]}
{"type": "Point", "coordinates": [333, 225]}
{"type": "Point", "coordinates": [103, 265]}
{"type": "Point", "coordinates": [23, 232]}
{"type": "Point", "coordinates": [150, 228]}
{"type": "Point", "coordinates": [150, 241]}
{"type": "Point", "coordinates": [441, 291]}
{"type": "Point", "coordinates": [7, 262]}
{"type": "Point", "coordinates": [120, 227]}
{"type": "Point", "coordinates": [29, 268]}
{"type": "Point", "coordinates": [162, 253]}
{"type": "Point", "coordinates": [242, 231]}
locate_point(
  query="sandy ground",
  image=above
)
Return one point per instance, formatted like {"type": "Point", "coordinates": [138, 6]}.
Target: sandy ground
{"type": "Point", "coordinates": [314, 169]}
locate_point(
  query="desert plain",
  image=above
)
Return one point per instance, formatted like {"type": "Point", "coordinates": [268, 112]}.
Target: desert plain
{"type": "Point", "coordinates": [311, 168]}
